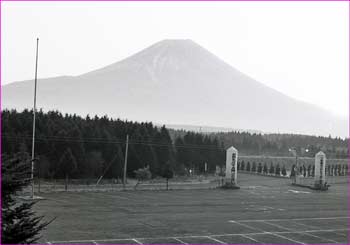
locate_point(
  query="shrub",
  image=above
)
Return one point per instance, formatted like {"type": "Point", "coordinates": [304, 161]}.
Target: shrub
{"type": "Point", "coordinates": [142, 174]}
{"type": "Point", "coordinates": [259, 168]}
{"type": "Point", "coordinates": [284, 171]}
{"type": "Point", "coordinates": [265, 168]}
{"type": "Point", "coordinates": [272, 169]}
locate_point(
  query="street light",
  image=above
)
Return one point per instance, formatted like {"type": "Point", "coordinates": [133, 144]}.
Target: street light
{"type": "Point", "coordinates": [295, 153]}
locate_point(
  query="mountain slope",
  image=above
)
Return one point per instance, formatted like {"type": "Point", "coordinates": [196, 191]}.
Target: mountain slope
{"type": "Point", "coordinates": [177, 82]}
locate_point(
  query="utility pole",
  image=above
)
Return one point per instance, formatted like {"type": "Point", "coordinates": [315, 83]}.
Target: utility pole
{"type": "Point", "coordinates": [126, 160]}
{"type": "Point", "coordinates": [34, 111]}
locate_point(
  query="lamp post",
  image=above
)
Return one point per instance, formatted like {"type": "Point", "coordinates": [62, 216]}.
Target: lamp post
{"type": "Point", "coordinates": [295, 153]}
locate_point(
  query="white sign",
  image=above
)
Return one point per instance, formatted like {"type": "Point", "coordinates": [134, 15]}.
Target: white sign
{"type": "Point", "coordinates": [231, 165]}
{"type": "Point", "coordinates": [320, 168]}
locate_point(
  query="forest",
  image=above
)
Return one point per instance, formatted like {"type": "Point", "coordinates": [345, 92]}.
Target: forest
{"type": "Point", "coordinates": [88, 147]}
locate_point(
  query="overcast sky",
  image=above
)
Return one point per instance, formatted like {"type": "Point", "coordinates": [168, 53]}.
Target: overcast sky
{"type": "Point", "coordinates": [298, 48]}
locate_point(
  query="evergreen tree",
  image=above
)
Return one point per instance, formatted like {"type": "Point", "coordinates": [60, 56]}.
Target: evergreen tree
{"type": "Point", "coordinates": [309, 171]}
{"type": "Point", "coordinates": [292, 172]}
{"type": "Point", "coordinates": [167, 173]}
{"type": "Point", "coordinates": [272, 169]}
{"type": "Point", "coordinates": [19, 222]}
{"type": "Point", "coordinates": [265, 168]}
{"type": "Point", "coordinates": [68, 165]}
{"type": "Point", "coordinates": [304, 171]}
{"type": "Point", "coordinates": [242, 166]}
{"type": "Point", "coordinates": [332, 170]}
{"type": "Point", "coordinates": [259, 168]}
{"type": "Point", "coordinates": [254, 167]}
{"type": "Point", "coordinates": [248, 166]}
{"type": "Point", "coordinates": [284, 171]}
{"type": "Point", "coordinates": [278, 170]}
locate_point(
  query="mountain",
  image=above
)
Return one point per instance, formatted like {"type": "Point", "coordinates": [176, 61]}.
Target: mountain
{"type": "Point", "coordinates": [176, 82]}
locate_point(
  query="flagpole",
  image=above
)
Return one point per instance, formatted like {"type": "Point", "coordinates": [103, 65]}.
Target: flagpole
{"type": "Point", "coordinates": [34, 112]}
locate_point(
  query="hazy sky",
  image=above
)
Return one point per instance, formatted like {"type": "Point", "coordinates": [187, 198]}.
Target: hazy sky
{"type": "Point", "coordinates": [298, 48]}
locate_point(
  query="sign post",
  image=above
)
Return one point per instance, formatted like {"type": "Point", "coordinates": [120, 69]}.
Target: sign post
{"type": "Point", "coordinates": [320, 169]}
{"type": "Point", "coordinates": [231, 166]}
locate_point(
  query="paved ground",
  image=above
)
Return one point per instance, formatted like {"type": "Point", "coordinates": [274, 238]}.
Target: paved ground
{"type": "Point", "coordinates": [265, 210]}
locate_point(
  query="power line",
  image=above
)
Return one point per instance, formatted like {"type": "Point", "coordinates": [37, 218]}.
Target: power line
{"type": "Point", "coordinates": [148, 143]}
{"type": "Point", "coordinates": [54, 138]}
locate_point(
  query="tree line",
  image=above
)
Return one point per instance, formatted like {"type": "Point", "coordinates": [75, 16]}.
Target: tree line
{"type": "Point", "coordinates": [90, 147]}
{"type": "Point", "coordinates": [70, 145]}
{"type": "Point", "coordinates": [279, 144]}
{"type": "Point", "coordinates": [278, 170]}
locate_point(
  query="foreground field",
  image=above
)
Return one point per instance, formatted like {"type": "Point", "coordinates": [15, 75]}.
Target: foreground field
{"type": "Point", "coordinates": [264, 210]}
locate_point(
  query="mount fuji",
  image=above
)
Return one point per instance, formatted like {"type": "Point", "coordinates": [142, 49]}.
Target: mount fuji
{"type": "Point", "coordinates": [176, 82]}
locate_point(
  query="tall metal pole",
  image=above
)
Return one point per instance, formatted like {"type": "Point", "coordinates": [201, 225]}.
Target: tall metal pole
{"type": "Point", "coordinates": [126, 160]}
{"type": "Point", "coordinates": [34, 111]}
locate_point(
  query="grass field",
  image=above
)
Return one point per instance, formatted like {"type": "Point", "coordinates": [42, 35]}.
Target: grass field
{"type": "Point", "coordinates": [265, 210]}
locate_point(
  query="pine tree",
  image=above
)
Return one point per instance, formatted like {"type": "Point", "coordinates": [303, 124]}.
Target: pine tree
{"type": "Point", "coordinates": [19, 222]}
{"type": "Point", "coordinates": [259, 168]}
{"type": "Point", "coordinates": [167, 173]}
{"type": "Point", "coordinates": [309, 171]}
{"type": "Point", "coordinates": [272, 169]}
{"type": "Point", "coordinates": [278, 170]}
{"type": "Point", "coordinates": [292, 172]}
{"type": "Point", "coordinates": [248, 166]}
{"type": "Point", "coordinates": [68, 165]}
{"type": "Point", "coordinates": [265, 168]}
{"type": "Point", "coordinates": [254, 167]}
{"type": "Point", "coordinates": [284, 171]}
{"type": "Point", "coordinates": [242, 166]}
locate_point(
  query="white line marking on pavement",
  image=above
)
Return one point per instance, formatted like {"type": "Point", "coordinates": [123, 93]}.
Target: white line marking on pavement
{"type": "Point", "coordinates": [199, 236]}
{"type": "Point", "coordinates": [135, 240]}
{"type": "Point", "coordinates": [266, 232]}
{"type": "Point", "coordinates": [279, 226]}
{"type": "Point", "coordinates": [325, 239]}
{"type": "Point", "coordinates": [295, 241]}
{"type": "Point", "coordinates": [216, 240]}
{"type": "Point", "coordinates": [94, 242]}
{"type": "Point", "coordinates": [179, 240]}
{"type": "Point", "coordinates": [299, 232]}
{"type": "Point", "coordinates": [248, 237]}
{"type": "Point", "coordinates": [320, 218]}
{"type": "Point", "coordinates": [248, 226]}
{"type": "Point", "coordinates": [315, 227]}
{"type": "Point", "coordinates": [308, 226]}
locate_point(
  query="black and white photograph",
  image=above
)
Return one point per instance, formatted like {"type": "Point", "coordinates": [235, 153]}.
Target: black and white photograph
{"type": "Point", "coordinates": [175, 122]}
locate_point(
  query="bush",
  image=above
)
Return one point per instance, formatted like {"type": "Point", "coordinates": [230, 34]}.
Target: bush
{"type": "Point", "coordinates": [254, 167]}
{"type": "Point", "coordinates": [265, 168]}
{"type": "Point", "coordinates": [272, 169]}
{"type": "Point", "coordinates": [242, 165]}
{"type": "Point", "coordinates": [259, 168]}
{"type": "Point", "coordinates": [284, 171]}
{"type": "Point", "coordinates": [278, 170]}
{"type": "Point", "coordinates": [292, 172]}
{"type": "Point", "coordinates": [142, 174]}
{"type": "Point", "coordinates": [248, 166]}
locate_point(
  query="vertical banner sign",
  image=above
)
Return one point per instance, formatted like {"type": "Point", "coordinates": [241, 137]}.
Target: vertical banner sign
{"type": "Point", "coordinates": [231, 165]}
{"type": "Point", "coordinates": [320, 168]}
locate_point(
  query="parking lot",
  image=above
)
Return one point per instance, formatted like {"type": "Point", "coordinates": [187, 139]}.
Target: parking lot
{"type": "Point", "coordinates": [265, 210]}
